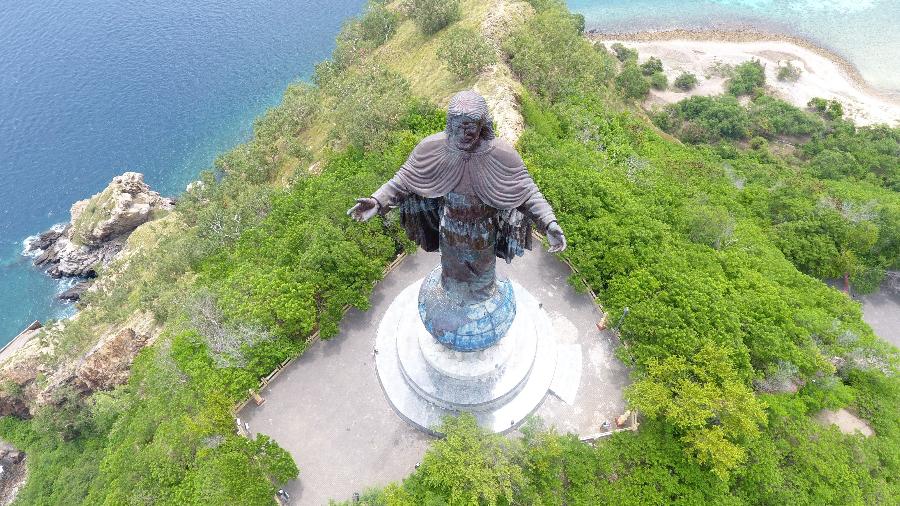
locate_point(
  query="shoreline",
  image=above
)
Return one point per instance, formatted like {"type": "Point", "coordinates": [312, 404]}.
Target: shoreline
{"type": "Point", "coordinates": [751, 35]}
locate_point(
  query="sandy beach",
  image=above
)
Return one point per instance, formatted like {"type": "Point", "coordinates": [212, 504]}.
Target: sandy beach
{"type": "Point", "coordinates": [824, 74]}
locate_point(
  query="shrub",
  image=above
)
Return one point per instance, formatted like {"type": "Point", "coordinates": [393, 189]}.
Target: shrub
{"type": "Point", "coordinates": [720, 69]}
{"type": "Point", "coordinates": [550, 58]}
{"type": "Point", "coordinates": [652, 66]}
{"type": "Point", "coordinates": [748, 76]}
{"type": "Point", "coordinates": [623, 53]}
{"type": "Point", "coordinates": [789, 72]}
{"type": "Point", "coordinates": [831, 109]}
{"type": "Point", "coordinates": [709, 225]}
{"type": "Point", "coordinates": [432, 16]}
{"type": "Point", "coordinates": [659, 81]}
{"type": "Point", "coordinates": [770, 116]}
{"type": "Point", "coordinates": [685, 81]}
{"type": "Point", "coordinates": [360, 36]}
{"type": "Point", "coordinates": [466, 52]}
{"type": "Point", "coordinates": [705, 119]}
{"type": "Point", "coordinates": [632, 82]}
{"type": "Point", "coordinates": [369, 103]}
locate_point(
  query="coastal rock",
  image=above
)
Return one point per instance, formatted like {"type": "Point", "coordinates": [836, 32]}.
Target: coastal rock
{"type": "Point", "coordinates": [98, 228]}
{"type": "Point", "coordinates": [74, 294]}
{"type": "Point", "coordinates": [20, 365]}
{"type": "Point", "coordinates": [30, 377]}
{"type": "Point", "coordinates": [14, 472]}
{"type": "Point", "coordinates": [45, 240]}
{"type": "Point", "coordinates": [108, 363]}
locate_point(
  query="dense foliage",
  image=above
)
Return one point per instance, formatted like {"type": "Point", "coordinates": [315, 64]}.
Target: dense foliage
{"type": "Point", "coordinates": [829, 197]}
{"type": "Point", "coordinates": [746, 78]}
{"type": "Point", "coordinates": [685, 81]}
{"type": "Point", "coordinates": [631, 81]}
{"type": "Point", "coordinates": [432, 16]}
{"type": "Point", "coordinates": [466, 52]}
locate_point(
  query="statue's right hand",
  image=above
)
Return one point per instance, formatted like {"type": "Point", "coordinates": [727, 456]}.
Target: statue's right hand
{"type": "Point", "coordinates": [364, 209]}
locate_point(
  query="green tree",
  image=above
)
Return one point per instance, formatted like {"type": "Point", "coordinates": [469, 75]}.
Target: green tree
{"type": "Point", "coordinates": [631, 82]}
{"type": "Point", "coordinates": [624, 54]}
{"type": "Point", "coordinates": [549, 56]}
{"type": "Point", "coordinates": [432, 16]}
{"type": "Point", "coordinates": [369, 103]}
{"type": "Point", "coordinates": [466, 52]}
{"type": "Point", "coordinates": [706, 400]}
{"type": "Point", "coordinates": [469, 466]}
{"type": "Point", "coordinates": [378, 23]}
{"type": "Point", "coordinates": [746, 78]}
{"type": "Point", "coordinates": [652, 66]}
{"type": "Point", "coordinates": [685, 81]}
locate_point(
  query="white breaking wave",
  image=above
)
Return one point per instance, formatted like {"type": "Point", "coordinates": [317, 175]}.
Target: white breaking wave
{"type": "Point", "coordinates": [26, 244]}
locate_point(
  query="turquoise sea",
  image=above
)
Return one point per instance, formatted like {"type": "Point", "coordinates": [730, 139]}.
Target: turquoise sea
{"type": "Point", "coordinates": [864, 32]}
{"type": "Point", "coordinates": [91, 88]}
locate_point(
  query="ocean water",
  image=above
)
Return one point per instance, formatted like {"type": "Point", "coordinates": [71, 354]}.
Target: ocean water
{"type": "Point", "coordinates": [864, 32]}
{"type": "Point", "coordinates": [90, 89]}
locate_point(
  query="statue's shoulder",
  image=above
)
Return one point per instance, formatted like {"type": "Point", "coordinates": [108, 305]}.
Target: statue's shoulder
{"type": "Point", "coordinates": [503, 152]}
{"type": "Point", "coordinates": [433, 141]}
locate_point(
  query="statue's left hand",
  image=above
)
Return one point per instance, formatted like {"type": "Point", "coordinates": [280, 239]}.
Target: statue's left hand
{"type": "Point", "coordinates": [556, 238]}
{"type": "Point", "coordinates": [364, 210]}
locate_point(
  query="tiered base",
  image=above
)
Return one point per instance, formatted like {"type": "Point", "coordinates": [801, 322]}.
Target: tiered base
{"type": "Point", "coordinates": [425, 380]}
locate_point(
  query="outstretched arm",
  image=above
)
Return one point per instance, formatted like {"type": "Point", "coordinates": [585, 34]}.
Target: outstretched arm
{"type": "Point", "coordinates": [389, 195]}
{"type": "Point", "coordinates": [539, 211]}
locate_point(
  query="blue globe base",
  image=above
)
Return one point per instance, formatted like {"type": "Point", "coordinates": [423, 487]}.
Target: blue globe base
{"type": "Point", "coordinates": [465, 325]}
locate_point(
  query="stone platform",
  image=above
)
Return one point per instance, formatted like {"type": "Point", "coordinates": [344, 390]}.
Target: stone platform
{"type": "Point", "coordinates": [330, 412]}
{"type": "Point", "coordinates": [426, 381]}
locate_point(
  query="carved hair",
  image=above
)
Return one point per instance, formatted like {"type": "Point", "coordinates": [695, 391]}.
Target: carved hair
{"type": "Point", "coordinates": [471, 105]}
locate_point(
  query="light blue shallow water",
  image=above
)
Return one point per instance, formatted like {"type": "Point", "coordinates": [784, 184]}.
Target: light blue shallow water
{"type": "Point", "coordinates": [92, 88]}
{"type": "Point", "coordinates": [864, 32]}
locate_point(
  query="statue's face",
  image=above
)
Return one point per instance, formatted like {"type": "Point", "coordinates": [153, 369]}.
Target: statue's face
{"type": "Point", "coordinates": [465, 133]}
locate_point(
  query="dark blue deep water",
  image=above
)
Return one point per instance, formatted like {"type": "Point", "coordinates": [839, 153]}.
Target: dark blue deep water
{"type": "Point", "coordinates": [90, 89]}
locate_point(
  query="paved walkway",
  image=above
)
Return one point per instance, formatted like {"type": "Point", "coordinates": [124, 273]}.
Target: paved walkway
{"type": "Point", "coordinates": [881, 310]}
{"type": "Point", "coordinates": [328, 410]}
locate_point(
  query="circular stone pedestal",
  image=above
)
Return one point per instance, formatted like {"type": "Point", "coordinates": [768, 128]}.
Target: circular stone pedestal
{"type": "Point", "coordinates": [461, 324]}
{"type": "Point", "coordinates": [425, 380]}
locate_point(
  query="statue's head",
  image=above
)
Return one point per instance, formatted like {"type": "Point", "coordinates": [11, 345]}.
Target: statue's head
{"type": "Point", "coordinates": [468, 121]}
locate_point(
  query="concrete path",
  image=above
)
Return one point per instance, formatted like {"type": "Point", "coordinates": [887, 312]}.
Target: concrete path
{"type": "Point", "coordinates": [881, 310]}
{"type": "Point", "coordinates": [329, 411]}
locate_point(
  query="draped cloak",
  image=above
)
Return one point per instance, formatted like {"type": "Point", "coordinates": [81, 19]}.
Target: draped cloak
{"type": "Point", "coordinates": [497, 176]}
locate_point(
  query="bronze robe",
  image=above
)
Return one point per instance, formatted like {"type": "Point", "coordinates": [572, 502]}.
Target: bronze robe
{"type": "Point", "coordinates": [495, 173]}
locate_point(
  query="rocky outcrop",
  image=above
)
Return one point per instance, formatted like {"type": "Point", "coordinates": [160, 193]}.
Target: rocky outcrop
{"type": "Point", "coordinates": [98, 228]}
{"type": "Point", "coordinates": [28, 380]}
{"type": "Point", "coordinates": [13, 474]}
{"type": "Point", "coordinates": [74, 293]}
{"type": "Point", "coordinates": [107, 364]}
